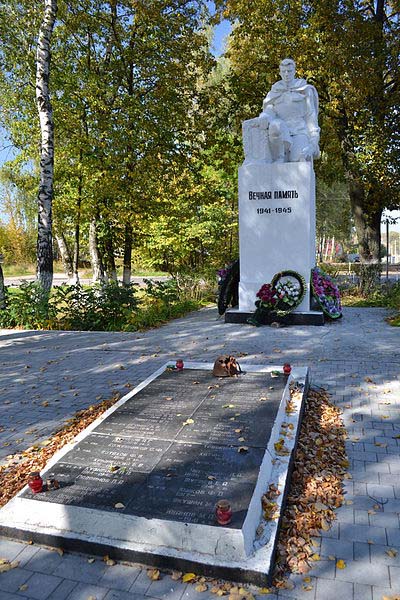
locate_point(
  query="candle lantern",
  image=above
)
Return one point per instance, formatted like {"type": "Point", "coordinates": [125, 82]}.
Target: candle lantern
{"type": "Point", "coordinates": [35, 482]}
{"type": "Point", "coordinates": [223, 512]}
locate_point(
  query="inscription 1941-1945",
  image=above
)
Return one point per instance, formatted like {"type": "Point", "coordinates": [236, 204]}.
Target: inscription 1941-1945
{"type": "Point", "coordinates": [174, 449]}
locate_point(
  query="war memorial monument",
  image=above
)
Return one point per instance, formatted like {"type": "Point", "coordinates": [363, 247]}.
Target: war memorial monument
{"type": "Point", "coordinates": [146, 481]}
{"type": "Point", "coordinates": [277, 193]}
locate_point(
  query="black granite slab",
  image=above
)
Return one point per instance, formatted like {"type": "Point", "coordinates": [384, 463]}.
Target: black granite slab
{"type": "Point", "coordinates": [174, 449]}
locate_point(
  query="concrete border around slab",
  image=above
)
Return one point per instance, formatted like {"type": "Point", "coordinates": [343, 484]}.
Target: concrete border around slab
{"type": "Point", "coordinates": [216, 551]}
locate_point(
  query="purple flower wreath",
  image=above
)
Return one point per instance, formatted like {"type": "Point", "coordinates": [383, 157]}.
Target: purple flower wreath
{"type": "Point", "coordinates": [326, 293]}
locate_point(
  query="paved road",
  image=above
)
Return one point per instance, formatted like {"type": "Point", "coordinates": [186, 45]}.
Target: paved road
{"type": "Point", "coordinates": [60, 278]}
{"type": "Point", "coordinates": [70, 370]}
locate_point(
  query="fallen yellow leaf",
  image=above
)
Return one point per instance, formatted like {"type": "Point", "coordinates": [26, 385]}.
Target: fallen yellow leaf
{"type": "Point", "coordinates": [188, 577]}
{"type": "Point", "coordinates": [341, 564]}
{"type": "Point", "coordinates": [201, 587]}
{"type": "Point", "coordinates": [153, 574]}
{"type": "Point", "coordinates": [7, 566]}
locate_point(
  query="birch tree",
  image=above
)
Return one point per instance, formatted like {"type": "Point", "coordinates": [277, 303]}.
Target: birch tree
{"type": "Point", "coordinates": [45, 195]}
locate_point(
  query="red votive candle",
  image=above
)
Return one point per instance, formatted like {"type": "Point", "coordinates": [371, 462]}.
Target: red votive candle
{"type": "Point", "coordinates": [35, 482]}
{"type": "Point", "coordinates": [287, 369]}
{"type": "Point", "coordinates": [179, 364]}
{"type": "Point", "coordinates": [223, 512]}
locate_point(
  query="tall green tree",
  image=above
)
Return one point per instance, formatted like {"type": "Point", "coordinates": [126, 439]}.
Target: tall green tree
{"type": "Point", "coordinates": [350, 51]}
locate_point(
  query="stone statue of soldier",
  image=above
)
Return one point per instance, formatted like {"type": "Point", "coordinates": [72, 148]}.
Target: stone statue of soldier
{"type": "Point", "coordinates": [287, 129]}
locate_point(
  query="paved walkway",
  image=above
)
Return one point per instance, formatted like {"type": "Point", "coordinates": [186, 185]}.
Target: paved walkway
{"type": "Point", "coordinates": [45, 377]}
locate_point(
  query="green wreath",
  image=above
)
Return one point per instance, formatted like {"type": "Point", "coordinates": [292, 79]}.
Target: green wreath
{"type": "Point", "coordinates": [287, 304]}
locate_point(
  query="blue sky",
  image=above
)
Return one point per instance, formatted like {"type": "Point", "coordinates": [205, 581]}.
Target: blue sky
{"type": "Point", "coordinates": [220, 34]}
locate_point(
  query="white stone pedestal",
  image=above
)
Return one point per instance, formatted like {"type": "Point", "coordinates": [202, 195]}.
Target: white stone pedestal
{"type": "Point", "coordinates": [276, 226]}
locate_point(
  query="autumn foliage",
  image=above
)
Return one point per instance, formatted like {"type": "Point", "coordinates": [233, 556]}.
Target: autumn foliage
{"type": "Point", "coordinates": [316, 488]}
{"type": "Point", "coordinates": [14, 473]}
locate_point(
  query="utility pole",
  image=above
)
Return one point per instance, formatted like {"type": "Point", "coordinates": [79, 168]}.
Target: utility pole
{"type": "Point", "coordinates": [387, 249]}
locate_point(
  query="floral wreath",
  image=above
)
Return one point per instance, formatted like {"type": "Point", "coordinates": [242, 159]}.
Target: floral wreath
{"type": "Point", "coordinates": [326, 293]}
{"type": "Point", "coordinates": [290, 296]}
{"type": "Point", "coordinates": [279, 296]}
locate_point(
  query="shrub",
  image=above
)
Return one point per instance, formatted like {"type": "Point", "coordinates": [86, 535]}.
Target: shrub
{"type": "Point", "coordinates": [97, 308]}
{"type": "Point", "coordinates": [28, 307]}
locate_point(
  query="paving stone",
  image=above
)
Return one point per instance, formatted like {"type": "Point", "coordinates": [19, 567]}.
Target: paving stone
{"type": "Point", "coordinates": [393, 536]}
{"type": "Point", "coordinates": [191, 594]}
{"type": "Point", "coordinates": [361, 502]}
{"type": "Point", "coordinates": [379, 592]}
{"type": "Point", "coordinates": [395, 577]}
{"type": "Point", "coordinates": [385, 519]}
{"type": "Point", "coordinates": [379, 554]}
{"type": "Point", "coordinates": [10, 549]}
{"type": "Point", "coordinates": [63, 590]}
{"type": "Point", "coordinates": [358, 455]}
{"type": "Point", "coordinates": [77, 568]}
{"type": "Point", "coordinates": [83, 591]}
{"type": "Point", "coordinates": [333, 532]}
{"type": "Point", "coordinates": [44, 561]}
{"type": "Point", "coordinates": [379, 467]}
{"type": "Point", "coordinates": [387, 479]}
{"type": "Point", "coordinates": [8, 596]}
{"type": "Point", "coordinates": [120, 577]}
{"type": "Point", "coordinates": [120, 595]}
{"type": "Point", "coordinates": [361, 551]}
{"type": "Point", "coordinates": [328, 589]}
{"type": "Point", "coordinates": [165, 588]}
{"type": "Point", "coordinates": [299, 592]}
{"type": "Point", "coordinates": [370, 447]}
{"type": "Point", "coordinates": [345, 515]}
{"type": "Point", "coordinates": [40, 586]}
{"type": "Point", "coordinates": [27, 554]}
{"type": "Point", "coordinates": [362, 533]}
{"type": "Point", "coordinates": [362, 571]}
{"type": "Point", "coordinates": [141, 583]}
{"type": "Point", "coordinates": [323, 568]}
{"type": "Point", "coordinates": [362, 592]}
{"type": "Point", "coordinates": [12, 580]}
{"type": "Point", "coordinates": [337, 548]}
{"type": "Point", "coordinates": [361, 517]}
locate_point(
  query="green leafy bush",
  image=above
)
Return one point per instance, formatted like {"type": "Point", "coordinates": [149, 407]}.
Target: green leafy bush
{"type": "Point", "coordinates": [157, 313]}
{"type": "Point", "coordinates": [28, 307]}
{"type": "Point", "coordinates": [393, 296]}
{"type": "Point", "coordinates": [110, 307]}
{"type": "Point", "coordinates": [165, 291]}
{"type": "Point", "coordinates": [97, 308]}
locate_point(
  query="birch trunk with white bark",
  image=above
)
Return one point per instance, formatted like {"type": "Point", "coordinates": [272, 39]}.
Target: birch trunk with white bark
{"type": "Point", "coordinates": [66, 258]}
{"type": "Point", "coordinates": [95, 258]}
{"type": "Point", "coordinates": [45, 194]}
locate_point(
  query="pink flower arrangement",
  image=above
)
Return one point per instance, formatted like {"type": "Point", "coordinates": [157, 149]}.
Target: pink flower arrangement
{"type": "Point", "coordinates": [267, 295]}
